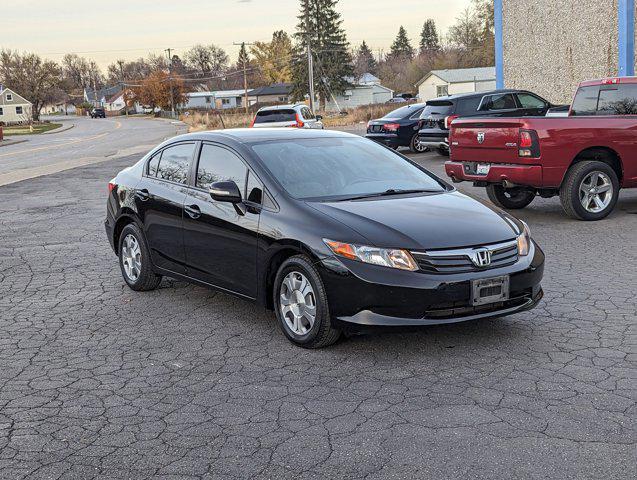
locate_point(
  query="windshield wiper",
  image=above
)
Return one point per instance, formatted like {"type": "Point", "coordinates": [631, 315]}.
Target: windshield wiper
{"type": "Point", "coordinates": [391, 191]}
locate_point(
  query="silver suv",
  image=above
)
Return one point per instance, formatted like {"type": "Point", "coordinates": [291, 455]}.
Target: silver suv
{"type": "Point", "coordinates": [299, 116]}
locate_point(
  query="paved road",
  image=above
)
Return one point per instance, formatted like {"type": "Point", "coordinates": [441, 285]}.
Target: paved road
{"type": "Point", "coordinates": [100, 381]}
{"type": "Point", "coordinates": [89, 141]}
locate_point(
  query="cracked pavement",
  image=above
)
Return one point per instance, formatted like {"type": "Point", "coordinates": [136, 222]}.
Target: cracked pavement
{"type": "Point", "coordinates": [98, 381]}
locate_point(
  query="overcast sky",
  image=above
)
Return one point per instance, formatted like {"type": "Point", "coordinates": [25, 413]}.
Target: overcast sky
{"type": "Point", "coordinates": [106, 31]}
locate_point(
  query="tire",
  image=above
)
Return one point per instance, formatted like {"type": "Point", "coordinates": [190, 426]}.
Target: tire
{"type": "Point", "coordinates": [143, 278]}
{"type": "Point", "coordinates": [443, 151]}
{"type": "Point", "coordinates": [578, 182]}
{"type": "Point", "coordinates": [415, 147]}
{"type": "Point", "coordinates": [287, 283]}
{"type": "Point", "coordinates": [510, 198]}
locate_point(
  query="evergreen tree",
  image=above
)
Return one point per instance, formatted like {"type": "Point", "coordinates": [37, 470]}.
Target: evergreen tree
{"type": "Point", "coordinates": [401, 48]}
{"type": "Point", "coordinates": [321, 25]}
{"type": "Point", "coordinates": [429, 41]}
{"type": "Point", "coordinates": [244, 59]}
{"type": "Point", "coordinates": [364, 60]}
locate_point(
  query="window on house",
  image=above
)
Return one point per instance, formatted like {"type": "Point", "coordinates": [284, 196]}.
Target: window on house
{"type": "Point", "coordinates": [225, 101]}
{"type": "Point", "coordinates": [1, 112]}
{"type": "Point", "coordinates": [283, 99]}
{"type": "Point", "coordinates": [9, 97]}
{"type": "Point", "coordinates": [18, 110]}
{"type": "Point", "coordinates": [442, 90]}
{"type": "Point", "coordinates": [207, 99]}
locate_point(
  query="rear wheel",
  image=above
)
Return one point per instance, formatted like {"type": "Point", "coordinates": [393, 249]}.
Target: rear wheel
{"type": "Point", "coordinates": [443, 151]}
{"type": "Point", "coordinates": [511, 198]}
{"type": "Point", "coordinates": [134, 260]}
{"type": "Point", "coordinates": [590, 190]}
{"type": "Point", "coordinates": [300, 303]}
{"type": "Point", "coordinates": [415, 146]}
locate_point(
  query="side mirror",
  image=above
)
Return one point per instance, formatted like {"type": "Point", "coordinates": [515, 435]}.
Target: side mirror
{"type": "Point", "coordinates": [225, 192]}
{"type": "Point", "coordinates": [319, 117]}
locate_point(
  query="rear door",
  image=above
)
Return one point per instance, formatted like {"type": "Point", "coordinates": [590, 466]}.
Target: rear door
{"type": "Point", "coordinates": [434, 114]}
{"type": "Point", "coordinates": [499, 105]}
{"type": "Point", "coordinates": [275, 118]}
{"type": "Point", "coordinates": [159, 199]}
{"type": "Point", "coordinates": [220, 241]}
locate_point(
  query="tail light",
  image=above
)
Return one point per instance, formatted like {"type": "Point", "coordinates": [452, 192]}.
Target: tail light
{"type": "Point", "coordinates": [528, 144]}
{"type": "Point", "coordinates": [450, 119]}
{"type": "Point", "coordinates": [391, 127]}
{"type": "Point", "coordinates": [299, 122]}
{"type": "Point", "coordinates": [253, 120]}
{"type": "Point", "coordinates": [610, 81]}
{"type": "Point", "coordinates": [111, 187]}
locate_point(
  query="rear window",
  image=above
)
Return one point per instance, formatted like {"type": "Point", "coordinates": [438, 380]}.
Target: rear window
{"type": "Point", "coordinates": [437, 107]}
{"type": "Point", "coordinates": [271, 116]}
{"type": "Point", "coordinates": [402, 112]}
{"type": "Point", "coordinates": [606, 100]}
{"type": "Point", "coordinates": [467, 106]}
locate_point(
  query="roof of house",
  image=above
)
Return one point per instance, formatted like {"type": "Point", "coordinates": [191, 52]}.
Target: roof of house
{"type": "Point", "coordinates": [106, 92]}
{"type": "Point", "coordinates": [364, 79]}
{"type": "Point", "coordinates": [219, 94]}
{"type": "Point", "coordinates": [25, 101]}
{"type": "Point", "coordinates": [274, 89]}
{"type": "Point", "coordinates": [460, 75]}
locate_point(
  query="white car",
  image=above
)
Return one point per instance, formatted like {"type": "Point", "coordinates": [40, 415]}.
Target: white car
{"type": "Point", "coordinates": [297, 116]}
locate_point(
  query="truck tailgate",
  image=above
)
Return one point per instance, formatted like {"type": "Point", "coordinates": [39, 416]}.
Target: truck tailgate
{"type": "Point", "coordinates": [493, 140]}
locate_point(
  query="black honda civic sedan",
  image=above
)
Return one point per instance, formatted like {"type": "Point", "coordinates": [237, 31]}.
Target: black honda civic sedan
{"type": "Point", "coordinates": [330, 230]}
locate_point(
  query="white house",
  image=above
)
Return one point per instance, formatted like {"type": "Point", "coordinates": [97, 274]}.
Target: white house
{"type": "Point", "coordinates": [63, 108]}
{"type": "Point", "coordinates": [220, 99]}
{"type": "Point", "coordinates": [116, 104]}
{"type": "Point", "coordinates": [365, 90]}
{"type": "Point", "coordinates": [13, 107]}
{"type": "Point", "coordinates": [438, 83]}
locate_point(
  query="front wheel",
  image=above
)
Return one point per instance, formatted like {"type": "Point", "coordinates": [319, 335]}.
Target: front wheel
{"type": "Point", "coordinates": [300, 303]}
{"type": "Point", "coordinates": [415, 146]}
{"type": "Point", "coordinates": [511, 198]}
{"type": "Point", "coordinates": [590, 190]}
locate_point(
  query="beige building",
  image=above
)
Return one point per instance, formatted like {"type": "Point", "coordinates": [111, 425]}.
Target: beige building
{"type": "Point", "coordinates": [438, 83]}
{"type": "Point", "coordinates": [14, 108]}
{"type": "Point", "coordinates": [549, 46]}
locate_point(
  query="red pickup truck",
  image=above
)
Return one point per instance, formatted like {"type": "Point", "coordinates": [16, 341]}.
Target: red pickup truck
{"type": "Point", "coordinates": [585, 158]}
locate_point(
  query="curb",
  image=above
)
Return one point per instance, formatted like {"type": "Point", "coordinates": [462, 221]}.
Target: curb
{"type": "Point", "coordinates": [6, 143]}
{"type": "Point", "coordinates": [59, 129]}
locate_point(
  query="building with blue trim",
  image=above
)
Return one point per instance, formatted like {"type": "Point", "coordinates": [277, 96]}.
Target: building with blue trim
{"type": "Point", "coordinates": [549, 46]}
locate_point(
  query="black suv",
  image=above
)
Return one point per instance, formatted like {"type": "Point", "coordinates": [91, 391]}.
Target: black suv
{"type": "Point", "coordinates": [98, 113]}
{"type": "Point", "coordinates": [439, 113]}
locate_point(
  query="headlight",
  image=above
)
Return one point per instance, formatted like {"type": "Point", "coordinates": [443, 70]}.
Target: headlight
{"type": "Point", "coordinates": [400, 259]}
{"type": "Point", "coordinates": [524, 241]}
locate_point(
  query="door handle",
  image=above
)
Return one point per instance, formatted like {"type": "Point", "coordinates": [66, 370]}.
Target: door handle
{"type": "Point", "coordinates": [193, 211]}
{"type": "Point", "coordinates": [142, 194]}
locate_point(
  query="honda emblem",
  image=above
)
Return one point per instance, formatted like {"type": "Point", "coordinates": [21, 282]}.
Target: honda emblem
{"type": "Point", "coordinates": [481, 257]}
{"type": "Point", "coordinates": [480, 137]}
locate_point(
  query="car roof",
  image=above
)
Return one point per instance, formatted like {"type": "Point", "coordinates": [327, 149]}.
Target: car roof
{"type": "Point", "coordinates": [289, 106]}
{"type": "Point", "coordinates": [477, 94]}
{"type": "Point", "coordinates": [254, 135]}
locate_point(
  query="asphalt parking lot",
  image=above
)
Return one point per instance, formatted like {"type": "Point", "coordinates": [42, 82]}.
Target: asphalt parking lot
{"type": "Point", "coordinates": [183, 382]}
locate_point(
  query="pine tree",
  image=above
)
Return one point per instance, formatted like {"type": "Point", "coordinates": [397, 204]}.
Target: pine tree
{"type": "Point", "coordinates": [321, 25]}
{"type": "Point", "coordinates": [429, 41]}
{"type": "Point", "coordinates": [365, 58]}
{"type": "Point", "coordinates": [244, 59]}
{"type": "Point", "coordinates": [401, 48]}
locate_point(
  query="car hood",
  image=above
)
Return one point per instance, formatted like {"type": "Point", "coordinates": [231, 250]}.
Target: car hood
{"type": "Point", "coordinates": [429, 221]}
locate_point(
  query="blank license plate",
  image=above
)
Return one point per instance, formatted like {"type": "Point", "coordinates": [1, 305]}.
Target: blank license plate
{"type": "Point", "coordinates": [489, 290]}
{"type": "Point", "coordinates": [483, 168]}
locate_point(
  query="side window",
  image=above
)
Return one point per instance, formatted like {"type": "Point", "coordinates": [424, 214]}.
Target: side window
{"type": "Point", "coordinates": [618, 101]}
{"type": "Point", "coordinates": [504, 101]}
{"type": "Point", "coordinates": [217, 164]}
{"type": "Point", "coordinates": [174, 162]}
{"type": "Point", "coordinates": [254, 189]}
{"type": "Point", "coordinates": [530, 101]}
{"type": "Point", "coordinates": [468, 106]}
{"type": "Point", "coordinates": [416, 114]}
{"type": "Point", "coordinates": [153, 164]}
{"type": "Point", "coordinates": [585, 101]}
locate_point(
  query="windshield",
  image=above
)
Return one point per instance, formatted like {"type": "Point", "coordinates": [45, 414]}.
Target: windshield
{"type": "Point", "coordinates": [437, 108]}
{"type": "Point", "coordinates": [340, 168]}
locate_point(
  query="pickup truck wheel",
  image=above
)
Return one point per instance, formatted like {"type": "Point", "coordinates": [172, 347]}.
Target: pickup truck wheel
{"type": "Point", "coordinates": [590, 190]}
{"type": "Point", "coordinates": [511, 198]}
{"type": "Point", "coordinates": [443, 151]}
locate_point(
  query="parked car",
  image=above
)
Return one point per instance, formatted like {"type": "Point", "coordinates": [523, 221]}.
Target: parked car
{"type": "Point", "coordinates": [299, 116]}
{"type": "Point", "coordinates": [397, 100]}
{"type": "Point", "coordinates": [584, 158]}
{"type": "Point", "coordinates": [398, 128]}
{"type": "Point", "coordinates": [440, 112]}
{"type": "Point", "coordinates": [328, 229]}
{"type": "Point", "coordinates": [98, 112]}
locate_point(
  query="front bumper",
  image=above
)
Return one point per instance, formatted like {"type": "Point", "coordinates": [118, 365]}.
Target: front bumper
{"type": "Point", "coordinates": [362, 295]}
{"type": "Point", "coordinates": [389, 139]}
{"type": "Point", "coordinates": [518, 174]}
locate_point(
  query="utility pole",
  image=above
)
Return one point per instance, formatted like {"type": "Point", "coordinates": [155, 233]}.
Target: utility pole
{"type": "Point", "coordinates": [121, 83]}
{"type": "Point", "coordinates": [310, 61]}
{"type": "Point", "coordinates": [245, 77]}
{"type": "Point", "coordinates": [170, 79]}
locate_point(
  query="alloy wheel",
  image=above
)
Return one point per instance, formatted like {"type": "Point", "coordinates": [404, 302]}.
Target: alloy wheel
{"type": "Point", "coordinates": [131, 257]}
{"type": "Point", "coordinates": [596, 192]}
{"type": "Point", "coordinates": [297, 303]}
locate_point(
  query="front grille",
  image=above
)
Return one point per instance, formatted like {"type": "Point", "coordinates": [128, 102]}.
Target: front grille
{"type": "Point", "coordinates": [460, 260]}
{"type": "Point", "coordinates": [465, 311]}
